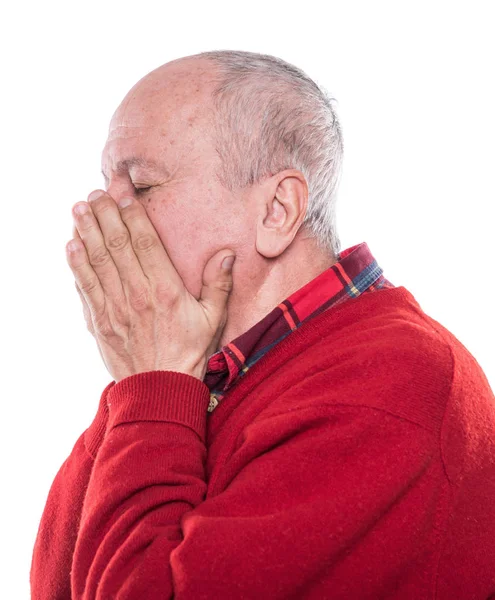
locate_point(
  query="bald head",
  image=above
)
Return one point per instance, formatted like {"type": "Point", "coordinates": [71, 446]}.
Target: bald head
{"type": "Point", "coordinates": [178, 90]}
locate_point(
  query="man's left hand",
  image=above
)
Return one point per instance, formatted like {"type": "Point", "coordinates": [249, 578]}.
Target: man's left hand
{"type": "Point", "coordinates": [142, 316]}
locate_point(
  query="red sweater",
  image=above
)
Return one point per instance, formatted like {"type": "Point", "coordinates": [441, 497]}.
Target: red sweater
{"type": "Point", "coordinates": [355, 461]}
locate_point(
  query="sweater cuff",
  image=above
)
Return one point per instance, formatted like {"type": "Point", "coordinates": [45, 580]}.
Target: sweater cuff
{"type": "Point", "coordinates": [160, 396]}
{"type": "Point", "coordinates": [96, 431]}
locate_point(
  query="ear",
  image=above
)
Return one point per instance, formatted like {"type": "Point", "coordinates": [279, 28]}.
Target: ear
{"type": "Point", "coordinates": [283, 212]}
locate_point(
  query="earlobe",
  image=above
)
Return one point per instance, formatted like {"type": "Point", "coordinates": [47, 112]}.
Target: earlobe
{"type": "Point", "coordinates": [271, 239]}
{"type": "Point", "coordinates": [269, 247]}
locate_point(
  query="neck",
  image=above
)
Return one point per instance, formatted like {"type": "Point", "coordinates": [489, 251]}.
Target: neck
{"type": "Point", "coordinates": [264, 283]}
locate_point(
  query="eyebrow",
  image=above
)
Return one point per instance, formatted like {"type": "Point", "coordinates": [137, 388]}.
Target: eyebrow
{"type": "Point", "coordinates": [138, 161]}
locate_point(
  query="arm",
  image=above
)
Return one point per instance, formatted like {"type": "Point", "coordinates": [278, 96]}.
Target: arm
{"type": "Point", "coordinates": [317, 494]}
{"type": "Point", "coordinates": [57, 533]}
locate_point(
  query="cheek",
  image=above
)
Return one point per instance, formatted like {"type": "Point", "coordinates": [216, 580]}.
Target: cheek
{"type": "Point", "coordinates": [189, 236]}
{"type": "Point", "coordinates": [184, 243]}
{"type": "Point", "coordinates": [179, 234]}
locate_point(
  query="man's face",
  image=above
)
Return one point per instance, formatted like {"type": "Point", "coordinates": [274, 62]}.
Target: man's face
{"type": "Point", "coordinates": [163, 120]}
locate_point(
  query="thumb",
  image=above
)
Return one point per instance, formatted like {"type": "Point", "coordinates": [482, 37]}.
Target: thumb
{"type": "Point", "coordinates": [217, 285]}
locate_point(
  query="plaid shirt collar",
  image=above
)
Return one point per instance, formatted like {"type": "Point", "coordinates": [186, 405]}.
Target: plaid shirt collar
{"type": "Point", "coordinates": [356, 272]}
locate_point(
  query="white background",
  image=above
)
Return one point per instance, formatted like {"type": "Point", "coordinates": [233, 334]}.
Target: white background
{"type": "Point", "coordinates": [415, 88]}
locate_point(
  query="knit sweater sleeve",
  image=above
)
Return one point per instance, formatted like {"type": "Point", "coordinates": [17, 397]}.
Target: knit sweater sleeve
{"type": "Point", "coordinates": [54, 546]}
{"type": "Point", "coordinates": [309, 498]}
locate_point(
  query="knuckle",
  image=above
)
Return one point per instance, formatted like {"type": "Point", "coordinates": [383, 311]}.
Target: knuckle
{"type": "Point", "coordinates": [165, 293]}
{"type": "Point", "coordinates": [145, 243]}
{"type": "Point", "coordinates": [86, 313]}
{"type": "Point", "coordinates": [140, 299]}
{"type": "Point", "coordinates": [104, 327]}
{"type": "Point", "coordinates": [99, 257]}
{"type": "Point", "coordinates": [105, 330]}
{"type": "Point", "coordinates": [88, 286]}
{"type": "Point", "coordinates": [121, 315]}
{"type": "Point", "coordinates": [225, 286]}
{"type": "Point", "coordinates": [89, 326]}
{"type": "Point", "coordinates": [118, 241]}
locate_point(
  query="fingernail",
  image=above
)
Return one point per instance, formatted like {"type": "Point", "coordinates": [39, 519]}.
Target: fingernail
{"type": "Point", "coordinates": [228, 262]}
{"type": "Point", "coordinates": [81, 209]}
{"type": "Point", "coordinates": [72, 246]}
{"type": "Point", "coordinates": [123, 202]}
{"type": "Point", "coordinates": [95, 195]}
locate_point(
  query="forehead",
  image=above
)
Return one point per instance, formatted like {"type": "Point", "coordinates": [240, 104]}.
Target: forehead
{"type": "Point", "coordinates": [160, 116]}
{"type": "Point", "coordinates": [132, 148]}
{"type": "Point", "coordinates": [167, 96]}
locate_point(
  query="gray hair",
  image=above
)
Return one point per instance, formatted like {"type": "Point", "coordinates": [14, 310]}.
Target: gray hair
{"type": "Point", "coordinates": [270, 116]}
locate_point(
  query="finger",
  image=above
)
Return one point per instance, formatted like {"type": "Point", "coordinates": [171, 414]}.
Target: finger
{"type": "Point", "coordinates": [87, 313]}
{"type": "Point", "coordinates": [98, 256]}
{"type": "Point", "coordinates": [76, 236]}
{"type": "Point", "coordinates": [85, 276]}
{"type": "Point", "coordinates": [150, 251]}
{"type": "Point", "coordinates": [216, 289]}
{"type": "Point", "coordinates": [117, 240]}
{"type": "Point", "coordinates": [89, 322]}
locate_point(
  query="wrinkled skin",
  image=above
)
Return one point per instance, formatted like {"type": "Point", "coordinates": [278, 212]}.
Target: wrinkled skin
{"type": "Point", "coordinates": [165, 117]}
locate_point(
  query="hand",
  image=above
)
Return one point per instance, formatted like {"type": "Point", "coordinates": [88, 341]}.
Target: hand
{"type": "Point", "coordinates": [135, 303]}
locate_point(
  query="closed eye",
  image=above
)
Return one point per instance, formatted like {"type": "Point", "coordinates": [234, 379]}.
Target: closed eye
{"type": "Point", "coordinates": [142, 190]}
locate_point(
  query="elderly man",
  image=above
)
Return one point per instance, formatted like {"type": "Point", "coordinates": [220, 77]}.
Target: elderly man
{"type": "Point", "coordinates": [292, 427]}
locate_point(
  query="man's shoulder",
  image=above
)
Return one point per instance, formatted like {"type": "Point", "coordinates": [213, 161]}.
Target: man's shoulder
{"type": "Point", "coordinates": [382, 329]}
{"type": "Point", "coordinates": [391, 358]}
